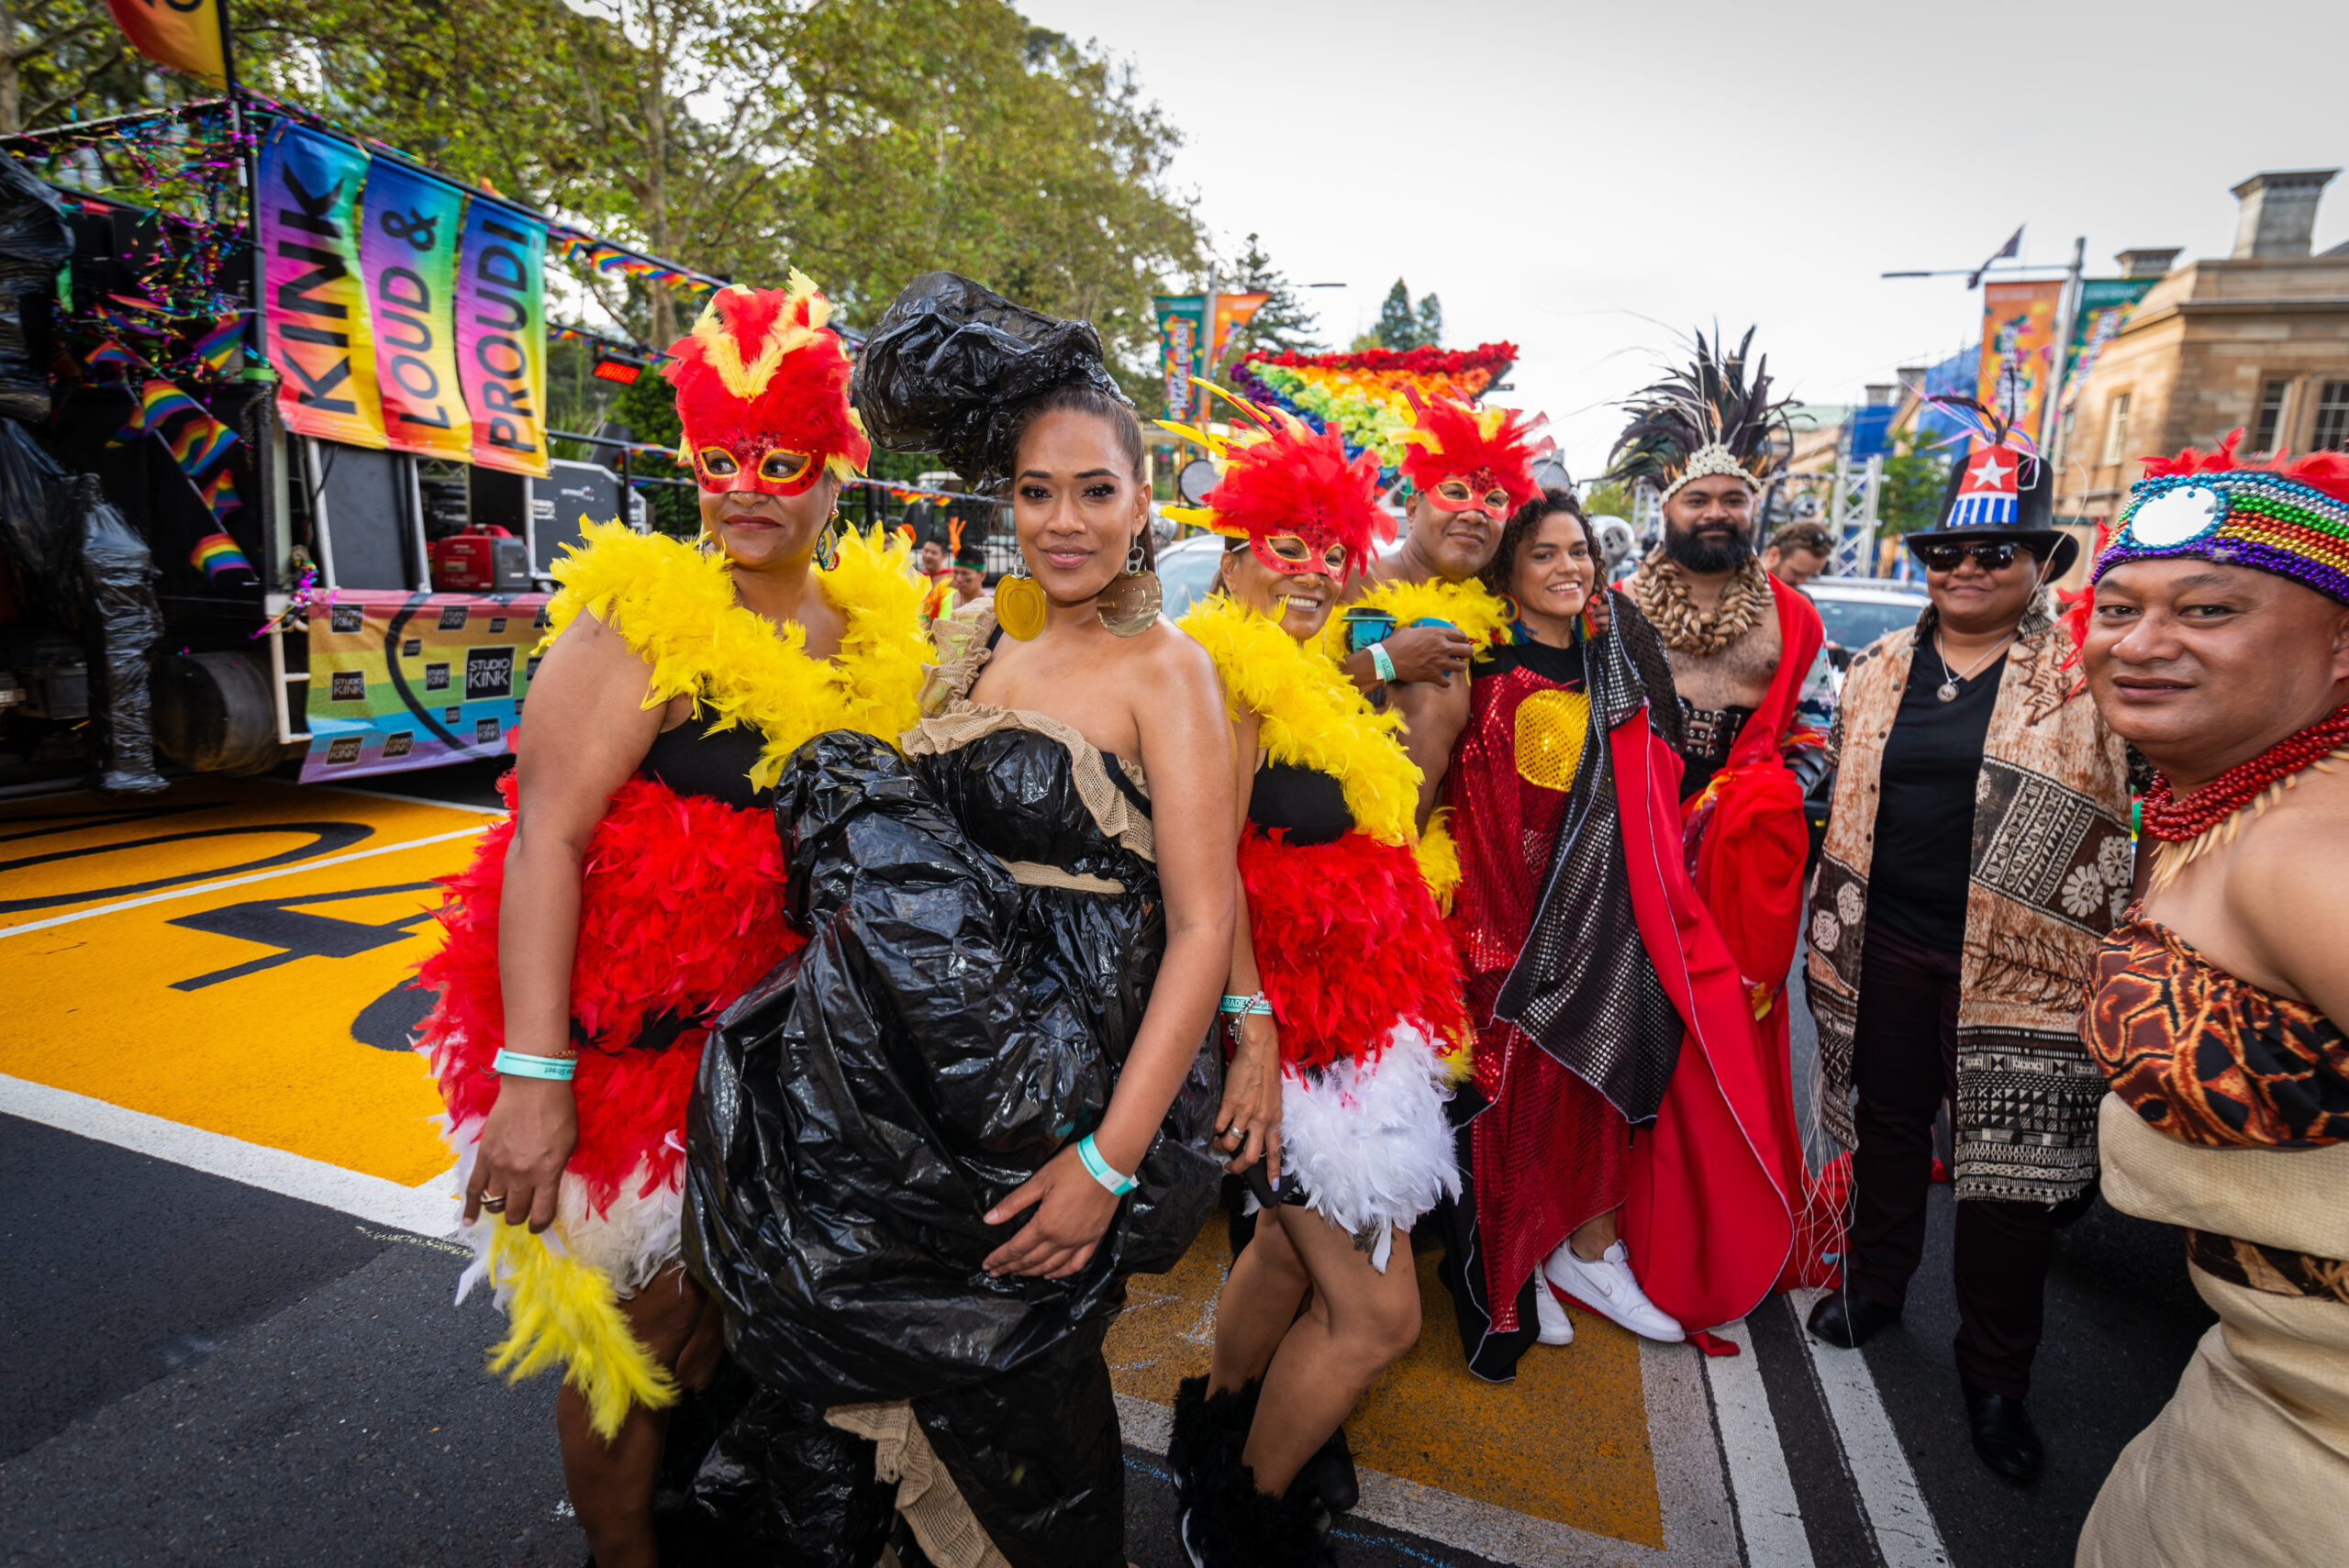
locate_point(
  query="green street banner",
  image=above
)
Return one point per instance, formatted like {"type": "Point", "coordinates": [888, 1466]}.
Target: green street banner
{"type": "Point", "coordinates": [2106, 305]}
{"type": "Point", "coordinates": [408, 255]}
{"type": "Point", "coordinates": [1182, 346]}
{"type": "Point", "coordinates": [502, 336]}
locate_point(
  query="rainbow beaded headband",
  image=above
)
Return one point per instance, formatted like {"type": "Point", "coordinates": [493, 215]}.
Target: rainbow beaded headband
{"type": "Point", "coordinates": [2243, 516]}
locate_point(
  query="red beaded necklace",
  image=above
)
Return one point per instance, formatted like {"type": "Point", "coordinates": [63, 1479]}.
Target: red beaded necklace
{"type": "Point", "coordinates": [2171, 820]}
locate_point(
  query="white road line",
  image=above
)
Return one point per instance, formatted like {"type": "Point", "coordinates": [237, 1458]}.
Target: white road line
{"type": "Point", "coordinates": [428, 1208]}
{"type": "Point", "coordinates": [409, 799]}
{"type": "Point", "coordinates": [1768, 1513]}
{"type": "Point", "coordinates": [1897, 1513]}
{"type": "Point", "coordinates": [193, 889]}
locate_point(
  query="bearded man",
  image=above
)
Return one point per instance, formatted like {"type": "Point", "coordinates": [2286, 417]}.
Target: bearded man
{"type": "Point", "coordinates": [2219, 645]}
{"type": "Point", "coordinates": [1704, 439]}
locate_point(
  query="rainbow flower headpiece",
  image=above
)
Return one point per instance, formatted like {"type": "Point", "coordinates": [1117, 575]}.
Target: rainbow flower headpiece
{"type": "Point", "coordinates": [2289, 516]}
{"type": "Point", "coordinates": [762, 380]}
{"type": "Point", "coordinates": [1284, 477]}
{"type": "Point", "coordinates": [1492, 448]}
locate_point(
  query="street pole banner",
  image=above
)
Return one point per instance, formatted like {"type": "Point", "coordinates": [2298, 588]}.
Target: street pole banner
{"type": "Point", "coordinates": [319, 337]}
{"type": "Point", "coordinates": [407, 256]}
{"type": "Point", "coordinates": [502, 336]}
{"type": "Point", "coordinates": [2018, 349]}
{"type": "Point", "coordinates": [2105, 307]}
{"type": "Point", "coordinates": [401, 680]}
{"type": "Point", "coordinates": [182, 34]}
{"type": "Point", "coordinates": [1182, 335]}
{"type": "Point", "coordinates": [1233, 311]}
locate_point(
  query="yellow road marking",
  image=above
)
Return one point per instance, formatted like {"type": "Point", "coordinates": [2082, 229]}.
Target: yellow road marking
{"type": "Point", "coordinates": [1566, 1442]}
{"type": "Point", "coordinates": [233, 1004]}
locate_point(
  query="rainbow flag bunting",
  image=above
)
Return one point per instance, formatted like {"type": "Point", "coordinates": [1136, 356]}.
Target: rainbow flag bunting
{"type": "Point", "coordinates": [199, 443]}
{"type": "Point", "coordinates": [220, 494]}
{"type": "Point", "coordinates": [221, 348]}
{"type": "Point", "coordinates": [219, 557]}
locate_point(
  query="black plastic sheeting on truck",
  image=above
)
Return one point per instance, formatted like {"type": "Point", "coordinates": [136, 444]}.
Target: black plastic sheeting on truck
{"type": "Point", "coordinates": [125, 625]}
{"type": "Point", "coordinates": [34, 242]}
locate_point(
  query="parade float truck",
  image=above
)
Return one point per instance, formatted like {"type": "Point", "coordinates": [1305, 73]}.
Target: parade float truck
{"type": "Point", "coordinates": [319, 527]}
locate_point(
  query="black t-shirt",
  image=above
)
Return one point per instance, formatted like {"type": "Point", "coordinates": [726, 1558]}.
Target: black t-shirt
{"type": "Point", "coordinates": [1924, 813]}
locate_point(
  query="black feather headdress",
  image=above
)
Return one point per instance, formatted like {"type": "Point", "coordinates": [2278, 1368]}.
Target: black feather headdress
{"type": "Point", "coordinates": [1709, 418]}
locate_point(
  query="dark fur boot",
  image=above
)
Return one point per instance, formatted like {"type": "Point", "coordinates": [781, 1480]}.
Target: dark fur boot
{"type": "Point", "coordinates": [1222, 1519]}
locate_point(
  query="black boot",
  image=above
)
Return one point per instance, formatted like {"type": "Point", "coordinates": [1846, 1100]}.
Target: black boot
{"type": "Point", "coordinates": [1330, 1474]}
{"type": "Point", "coordinates": [1847, 1319]}
{"type": "Point", "coordinates": [1220, 1520]}
{"type": "Point", "coordinates": [2003, 1434]}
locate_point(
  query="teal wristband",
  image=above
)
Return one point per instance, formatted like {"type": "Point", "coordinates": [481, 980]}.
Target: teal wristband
{"type": "Point", "coordinates": [1243, 1006]}
{"type": "Point", "coordinates": [1382, 661]}
{"type": "Point", "coordinates": [1098, 1168]}
{"type": "Point", "coordinates": [520, 1064]}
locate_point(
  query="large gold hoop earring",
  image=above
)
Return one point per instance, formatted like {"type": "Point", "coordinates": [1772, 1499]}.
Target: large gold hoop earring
{"type": "Point", "coordinates": [1129, 605]}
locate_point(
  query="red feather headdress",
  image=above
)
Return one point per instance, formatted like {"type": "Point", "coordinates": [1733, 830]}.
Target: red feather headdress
{"type": "Point", "coordinates": [2327, 472]}
{"type": "Point", "coordinates": [1284, 477]}
{"type": "Point", "coordinates": [1490, 448]}
{"type": "Point", "coordinates": [760, 370]}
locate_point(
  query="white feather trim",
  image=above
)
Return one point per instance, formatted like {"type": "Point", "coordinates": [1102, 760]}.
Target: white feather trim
{"type": "Point", "coordinates": [635, 1238]}
{"type": "Point", "coordinates": [1370, 1144]}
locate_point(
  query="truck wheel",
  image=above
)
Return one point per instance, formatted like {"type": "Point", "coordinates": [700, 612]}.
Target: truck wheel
{"type": "Point", "coordinates": [213, 714]}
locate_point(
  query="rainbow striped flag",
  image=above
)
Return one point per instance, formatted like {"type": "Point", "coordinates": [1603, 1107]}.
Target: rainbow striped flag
{"type": "Point", "coordinates": [111, 353]}
{"type": "Point", "coordinates": [221, 347]}
{"type": "Point", "coordinates": [218, 556]}
{"type": "Point", "coordinates": [199, 443]}
{"type": "Point", "coordinates": [220, 494]}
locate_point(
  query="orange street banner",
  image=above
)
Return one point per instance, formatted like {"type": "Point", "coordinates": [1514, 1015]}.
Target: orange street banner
{"type": "Point", "coordinates": [321, 336]}
{"type": "Point", "coordinates": [1232, 312]}
{"type": "Point", "coordinates": [2018, 351]}
{"type": "Point", "coordinates": [182, 34]}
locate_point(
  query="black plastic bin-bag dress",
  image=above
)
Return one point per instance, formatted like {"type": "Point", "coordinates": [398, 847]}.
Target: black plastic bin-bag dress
{"type": "Point", "coordinates": [984, 924]}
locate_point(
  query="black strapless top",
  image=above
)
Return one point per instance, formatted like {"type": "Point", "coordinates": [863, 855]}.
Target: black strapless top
{"type": "Point", "coordinates": [1310, 804]}
{"type": "Point", "coordinates": [693, 759]}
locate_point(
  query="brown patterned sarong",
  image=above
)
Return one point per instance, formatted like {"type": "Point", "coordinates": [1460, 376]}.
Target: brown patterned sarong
{"type": "Point", "coordinates": [2208, 1059]}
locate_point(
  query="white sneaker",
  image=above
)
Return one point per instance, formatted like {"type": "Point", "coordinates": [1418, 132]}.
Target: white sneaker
{"type": "Point", "coordinates": [1557, 1328]}
{"type": "Point", "coordinates": [1608, 1288]}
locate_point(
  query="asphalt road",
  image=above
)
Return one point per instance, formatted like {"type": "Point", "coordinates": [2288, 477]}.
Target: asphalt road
{"type": "Point", "coordinates": [195, 1369]}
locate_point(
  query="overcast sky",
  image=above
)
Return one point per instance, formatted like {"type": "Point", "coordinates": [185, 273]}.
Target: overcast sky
{"type": "Point", "coordinates": [1587, 180]}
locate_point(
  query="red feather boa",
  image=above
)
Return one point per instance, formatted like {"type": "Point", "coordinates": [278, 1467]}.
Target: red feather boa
{"type": "Point", "coordinates": [682, 907]}
{"type": "Point", "coordinates": [1348, 945]}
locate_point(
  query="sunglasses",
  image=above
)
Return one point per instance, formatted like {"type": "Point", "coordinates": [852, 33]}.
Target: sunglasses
{"type": "Point", "coordinates": [1991, 555]}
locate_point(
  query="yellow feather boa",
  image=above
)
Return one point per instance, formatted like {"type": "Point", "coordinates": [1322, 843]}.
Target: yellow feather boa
{"type": "Point", "coordinates": [1481, 618]}
{"type": "Point", "coordinates": [563, 1310]}
{"type": "Point", "coordinates": [1439, 858]}
{"type": "Point", "coordinates": [1312, 715]}
{"type": "Point", "coordinates": [674, 605]}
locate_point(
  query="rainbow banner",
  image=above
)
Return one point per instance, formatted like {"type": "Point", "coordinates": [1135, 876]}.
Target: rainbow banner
{"type": "Point", "coordinates": [400, 681]}
{"type": "Point", "coordinates": [407, 257]}
{"type": "Point", "coordinates": [1233, 311]}
{"type": "Point", "coordinates": [1368, 395]}
{"type": "Point", "coordinates": [2018, 350]}
{"type": "Point", "coordinates": [319, 335]}
{"type": "Point", "coordinates": [502, 336]}
{"type": "Point", "coordinates": [182, 34]}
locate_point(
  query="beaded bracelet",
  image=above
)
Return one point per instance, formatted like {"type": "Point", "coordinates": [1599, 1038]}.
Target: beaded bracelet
{"type": "Point", "coordinates": [521, 1064]}
{"type": "Point", "coordinates": [1243, 1006]}
{"type": "Point", "coordinates": [1098, 1168]}
{"type": "Point", "coordinates": [1382, 661]}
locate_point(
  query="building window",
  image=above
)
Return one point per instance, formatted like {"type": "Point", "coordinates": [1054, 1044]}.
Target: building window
{"type": "Point", "coordinates": [2332, 418]}
{"type": "Point", "coordinates": [2268, 429]}
{"type": "Point", "coordinates": [2116, 429]}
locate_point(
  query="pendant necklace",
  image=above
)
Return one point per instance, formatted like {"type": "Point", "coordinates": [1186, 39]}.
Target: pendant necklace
{"type": "Point", "coordinates": [1947, 690]}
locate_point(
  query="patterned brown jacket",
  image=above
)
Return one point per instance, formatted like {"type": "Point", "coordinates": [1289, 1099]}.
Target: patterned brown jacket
{"type": "Point", "coordinates": [2050, 874]}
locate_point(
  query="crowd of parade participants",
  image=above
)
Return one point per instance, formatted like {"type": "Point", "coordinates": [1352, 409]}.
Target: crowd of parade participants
{"type": "Point", "coordinates": [875, 970]}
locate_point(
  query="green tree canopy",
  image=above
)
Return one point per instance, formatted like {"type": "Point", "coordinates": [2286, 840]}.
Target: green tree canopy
{"type": "Point", "coordinates": [1430, 322]}
{"type": "Point", "coordinates": [1913, 483]}
{"type": "Point", "coordinates": [1398, 324]}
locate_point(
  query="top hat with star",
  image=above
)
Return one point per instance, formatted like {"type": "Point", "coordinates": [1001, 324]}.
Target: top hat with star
{"type": "Point", "coordinates": [2000, 489]}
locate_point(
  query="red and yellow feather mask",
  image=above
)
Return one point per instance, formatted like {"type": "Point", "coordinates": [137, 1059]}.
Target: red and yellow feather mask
{"type": "Point", "coordinates": [762, 393]}
{"type": "Point", "coordinates": [1291, 493]}
{"type": "Point", "coordinates": [1472, 459]}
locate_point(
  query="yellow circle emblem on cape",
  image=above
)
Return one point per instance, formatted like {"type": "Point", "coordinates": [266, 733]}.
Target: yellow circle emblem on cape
{"type": "Point", "coordinates": [1020, 607]}
{"type": "Point", "coordinates": [1551, 728]}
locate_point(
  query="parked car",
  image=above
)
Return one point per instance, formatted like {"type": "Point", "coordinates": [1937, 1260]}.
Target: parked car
{"type": "Point", "coordinates": [1856, 611]}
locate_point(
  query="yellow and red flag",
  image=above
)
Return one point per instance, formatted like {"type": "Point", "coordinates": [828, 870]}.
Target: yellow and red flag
{"type": "Point", "coordinates": [185, 35]}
